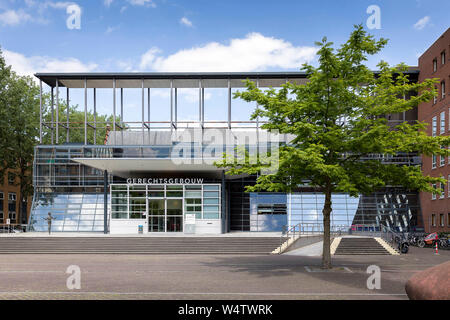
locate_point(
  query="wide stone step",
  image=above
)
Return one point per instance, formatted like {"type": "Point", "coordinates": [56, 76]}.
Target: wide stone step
{"type": "Point", "coordinates": [139, 245]}
{"type": "Point", "coordinates": [360, 246]}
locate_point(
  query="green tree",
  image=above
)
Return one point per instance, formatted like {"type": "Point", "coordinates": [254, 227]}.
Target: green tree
{"type": "Point", "coordinates": [19, 128]}
{"type": "Point", "coordinates": [337, 119]}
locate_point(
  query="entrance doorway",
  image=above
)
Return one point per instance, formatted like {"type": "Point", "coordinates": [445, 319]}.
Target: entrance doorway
{"type": "Point", "coordinates": [165, 215]}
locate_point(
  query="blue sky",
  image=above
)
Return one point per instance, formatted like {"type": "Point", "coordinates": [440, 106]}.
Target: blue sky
{"type": "Point", "coordinates": [199, 35]}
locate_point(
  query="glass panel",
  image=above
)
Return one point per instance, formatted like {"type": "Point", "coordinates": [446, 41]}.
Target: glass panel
{"type": "Point", "coordinates": [193, 194]}
{"type": "Point", "coordinates": [156, 207]}
{"type": "Point", "coordinates": [174, 224]}
{"type": "Point", "coordinates": [174, 194]}
{"type": "Point", "coordinates": [197, 187]}
{"type": "Point", "coordinates": [210, 215]}
{"type": "Point", "coordinates": [156, 194]}
{"type": "Point", "coordinates": [156, 224]}
{"type": "Point", "coordinates": [210, 188]}
{"type": "Point", "coordinates": [174, 207]}
{"type": "Point", "coordinates": [211, 201]}
{"type": "Point", "coordinates": [211, 194]}
{"type": "Point", "coordinates": [175, 187]}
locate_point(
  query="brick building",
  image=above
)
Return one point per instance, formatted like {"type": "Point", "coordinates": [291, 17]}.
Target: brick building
{"type": "Point", "coordinates": [435, 63]}
{"type": "Point", "coordinates": [9, 202]}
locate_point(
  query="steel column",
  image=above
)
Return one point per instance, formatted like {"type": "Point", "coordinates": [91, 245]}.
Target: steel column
{"type": "Point", "coordinates": [143, 112]}
{"type": "Point", "coordinates": [121, 114]}
{"type": "Point", "coordinates": [95, 116]}
{"type": "Point", "coordinates": [67, 114]}
{"type": "Point", "coordinates": [200, 101]}
{"type": "Point", "coordinates": [57, 111]}
{"type": "Point", "coordinates": [114, 109]}
{"type": "Point", "coordinates": [85, 111]}
{"type": "Point", "coordinates": [105, 202]}
{"type": "Point", "coordinates": [40, 111]}
{"type": "Point", "coordinates": [171, 104]}
{"type": "Point", "coordinates": [229, 104]}
{"type": "Point", "coordinates": [53, 111]}
{"type": "Point", "coordinates": [176, 107]}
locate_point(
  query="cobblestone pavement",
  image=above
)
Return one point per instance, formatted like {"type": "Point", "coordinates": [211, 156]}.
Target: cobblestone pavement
{"type": "Point", "coordinates": [218, 277]}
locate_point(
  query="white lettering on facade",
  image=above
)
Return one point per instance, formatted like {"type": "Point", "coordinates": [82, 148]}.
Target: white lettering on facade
{"type": "Point", "coordinates": [164, 180]}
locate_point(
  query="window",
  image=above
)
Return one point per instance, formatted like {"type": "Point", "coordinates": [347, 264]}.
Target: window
{"type": "Point", "coordinates": [435, 97]}
{"type": "Point", "coordinates": [441, 220]}
{"type": "Point", "coordinates": [272, 208]}
{"type": "Point", "coordinates": [448, 219]}
{"type": "Point", "coordinates": [11, 178]}
{"type": "Point", "coordinates": [433, 220]}
{"type": "Point", "coordinates": [433, 195]}
{"type": "Point", "coordinates": [11, 196]}
{"type": "Point", "coordinates": [442, 126]}
{"type": "Point", "coordinates": [443, 90]}
{"type": "Point", "coordinates": [442, 195]}
{"type": "Point", "coordinates": [443, 57]}
{"type": "Point", "coordinates": [448, 186]}
{"type": "Point", "coordinates": [12, 216]}
{"type": "Point", "coordinates": [1, 216]}
{"type": "Point", "coordinates": [433, 161]}
{"type": "Point", "coordinates": [434, 126]}
{"type": "Point", "coordinates": [442, 159]}
{"type": "Point", "coordinates": [434, 65]}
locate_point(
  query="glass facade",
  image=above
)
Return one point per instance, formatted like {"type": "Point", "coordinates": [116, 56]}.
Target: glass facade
{"type": "Point", "coordinates": [73, 212]}
{"type": "Point", "coordinates": [268, 211]}
{"type": "Point", "coordinates": [165, 205]}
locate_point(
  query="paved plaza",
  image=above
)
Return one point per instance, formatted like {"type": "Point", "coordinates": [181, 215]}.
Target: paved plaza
{"type": "Point", "coordinates": [209, 276]}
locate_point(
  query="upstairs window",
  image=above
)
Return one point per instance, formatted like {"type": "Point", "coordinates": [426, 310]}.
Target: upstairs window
{"type": "Point", "coordinates": [442, 160]}
{"type": "Point", "coordinates": [448, 186]}
{"type": "Point", "coordinates": [433, 220]}
{"type": "Point", "coordinates": [433, 161]}
{"type": "Point", "coordinates": [441, 220]}
{"type": "Point", "coordinates": [442, 195]}
{"type": "Point", "coordinates": [442, 89]}
{"type": "Point", "coordinates": [443, 57]}
{"type": "Point", "coordinates": [434, 126]}
{"type": "Point", "coordinates": [434, 65]}
{"type": "Point", "coordinates": [12, 196]}
{"type": "Point", "coordinates": [435, 97]}
{"type": "Point", "coordinates": [442, 126]}
{"type": "Point", "coordinates": [433, 195]}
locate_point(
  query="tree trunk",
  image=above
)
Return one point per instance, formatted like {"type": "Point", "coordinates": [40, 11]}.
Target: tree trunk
{"type": "Point", "coordinates": [326, 255]}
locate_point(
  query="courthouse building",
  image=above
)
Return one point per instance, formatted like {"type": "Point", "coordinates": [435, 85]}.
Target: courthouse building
{"type": "Point", "coordinates": [147, 177]}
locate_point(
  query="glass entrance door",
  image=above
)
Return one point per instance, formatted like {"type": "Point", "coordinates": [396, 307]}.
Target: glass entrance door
{"type": "Point", "coordinates": [165, 215]}
{"type": "Point", "coordinates": [156, 215]}
{"type": "Point", "coordinates": [174, 215]}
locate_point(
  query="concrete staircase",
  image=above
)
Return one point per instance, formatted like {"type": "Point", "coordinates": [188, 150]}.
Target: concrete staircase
{"type": "Point", "coordinates": [138, 245]}
{"type": "Point", "coordinates": [360, 246]}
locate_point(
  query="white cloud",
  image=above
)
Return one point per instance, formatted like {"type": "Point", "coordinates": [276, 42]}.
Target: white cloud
{"type": "Point", "coordinates": [148, 58]}
{"type": "Point", "coordinates": [12, 17]}
{"type": "Point", "coordinates": [255, 52]}
{"type": "Point", "coordinates": [422, 23]}
{"type": "Point", "coordinates": [30, 65]}
{"type": "Point", "coordinates": [149, 3]}
{"type": "Point", "coordinates": [107, 3]}
{"type": "Point", "coordinates": [186, 22]}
